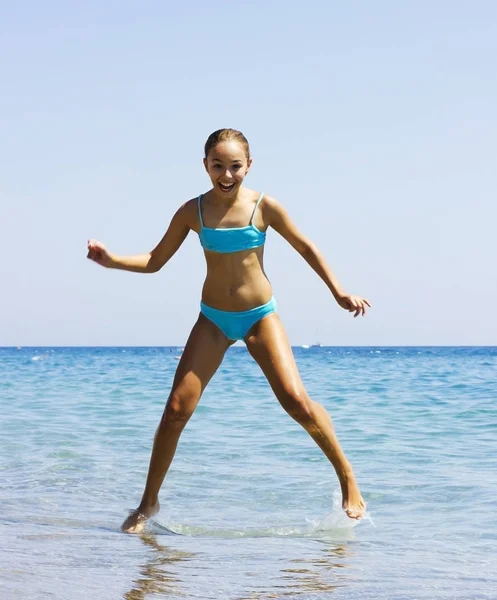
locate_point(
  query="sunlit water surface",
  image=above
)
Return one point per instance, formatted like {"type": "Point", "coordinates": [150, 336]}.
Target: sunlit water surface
{"type": "Point", "coordinates": [254, 504]}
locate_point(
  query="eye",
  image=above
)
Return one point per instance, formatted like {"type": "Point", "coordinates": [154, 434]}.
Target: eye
{"type": "Point", "coordinates": [237, 167]}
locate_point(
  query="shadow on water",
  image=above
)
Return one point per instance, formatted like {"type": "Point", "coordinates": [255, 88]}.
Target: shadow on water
{"type": "Point", "coordinates": [306, 577]}
{"type": "Point", "coordinates": [320, 571]}
{"type": "Point", "coordinates": [156, 575]}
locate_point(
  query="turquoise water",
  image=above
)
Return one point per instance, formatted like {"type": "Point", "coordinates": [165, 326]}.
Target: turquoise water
{"type": "Point", "coordinates": [255, 501]}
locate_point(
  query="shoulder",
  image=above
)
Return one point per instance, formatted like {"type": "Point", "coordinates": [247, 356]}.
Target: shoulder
{"type": "Point", "coordinates": [185, 217]}
{"type": "Point", "coordinates": [187, 213]}
{"type": "Point", "coordinates": [271, 209]}
{"type": "Point", "coordinates": [190, 207]}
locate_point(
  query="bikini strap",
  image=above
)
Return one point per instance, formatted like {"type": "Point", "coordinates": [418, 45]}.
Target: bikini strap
{"type": "Point", "coordinates": [256, 205]}
{"type": "Point", "coordinates": [200, 211]}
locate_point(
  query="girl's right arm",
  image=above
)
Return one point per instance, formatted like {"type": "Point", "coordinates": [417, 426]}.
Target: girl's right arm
{"type": "Point", "coordinates": [152, 261]}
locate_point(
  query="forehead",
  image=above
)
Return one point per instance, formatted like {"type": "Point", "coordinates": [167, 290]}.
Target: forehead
{"type": "Point", "coordinates": [228, 151]}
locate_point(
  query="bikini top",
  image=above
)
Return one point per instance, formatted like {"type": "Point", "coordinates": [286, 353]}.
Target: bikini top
{"type": "Point", "coordinates": [230, 239]}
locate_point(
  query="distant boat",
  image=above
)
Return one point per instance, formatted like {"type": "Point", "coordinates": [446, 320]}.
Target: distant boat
{"type": "Point", "coordinates": [305, 346]}
{"type": "Point", "coordinates": [317, 345]}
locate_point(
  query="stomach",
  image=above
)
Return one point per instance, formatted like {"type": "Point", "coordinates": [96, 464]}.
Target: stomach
{"type": "Point", "coordinates": [236, 281]}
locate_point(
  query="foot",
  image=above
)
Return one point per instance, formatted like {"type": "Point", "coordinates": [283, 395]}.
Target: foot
{"type": "Point", "coordinates": [137, 519]}
{"type": "Point", "coordinates": [352, 501]}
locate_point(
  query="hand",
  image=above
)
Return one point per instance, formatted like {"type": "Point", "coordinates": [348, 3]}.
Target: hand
{"type": "Point", "coordinates": [354, 304]}
{"type": "Point", "coordinates": [97, 252]}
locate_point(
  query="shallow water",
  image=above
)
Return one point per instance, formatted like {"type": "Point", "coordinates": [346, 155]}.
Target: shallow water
{"type": "Point", "coordinates": [255, 502]}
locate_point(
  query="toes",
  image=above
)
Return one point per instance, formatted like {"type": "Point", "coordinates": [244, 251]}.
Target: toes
{"type": "Point", "coordinates": [134, 523]}
{"type": "Point", "coordinates": [354, 513]}
{"type": "Point", "coordinates": [128, 528]}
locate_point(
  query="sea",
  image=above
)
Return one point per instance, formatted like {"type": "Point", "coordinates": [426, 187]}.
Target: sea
{"type": "Point", "coordinates": [251, 508]}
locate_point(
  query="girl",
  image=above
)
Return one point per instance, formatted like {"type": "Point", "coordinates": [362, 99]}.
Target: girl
{"type": "Point", "coordinates": [237, 304]}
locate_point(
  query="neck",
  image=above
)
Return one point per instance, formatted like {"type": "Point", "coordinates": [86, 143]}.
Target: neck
{"type": "Point", "coordinates": [220, 198]}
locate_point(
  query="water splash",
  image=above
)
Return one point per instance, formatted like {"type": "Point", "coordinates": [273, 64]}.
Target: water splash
{"type": "Point", "coordinates": [335, 523]}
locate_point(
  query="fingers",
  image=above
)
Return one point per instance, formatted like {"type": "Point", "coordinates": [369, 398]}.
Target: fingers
{"type": "Point", "coordinates": [355, 305]}
{"type": "Point", "coordinates": [94, 255]}
{"type": "Point", "coordinates": [91, 251]}
{"type": "Point", "coordinates": [94, 245]}
{"type": "Point", "coordinates": [358, 305]}
{"type": "Point", "coordinates": [94, 251]}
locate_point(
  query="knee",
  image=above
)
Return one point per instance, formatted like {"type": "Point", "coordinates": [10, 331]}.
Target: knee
{"type": "Point", "coordinates": [179, 408]}
{"type": "Point", "coordinates": [298, 405]}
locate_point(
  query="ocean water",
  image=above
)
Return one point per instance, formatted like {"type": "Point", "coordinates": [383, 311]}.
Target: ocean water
{"type": "Point", "coordinates": [255, 503]}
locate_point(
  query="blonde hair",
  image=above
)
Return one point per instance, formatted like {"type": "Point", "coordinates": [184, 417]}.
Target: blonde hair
{"type": "Point", "coordinates": [226, 135]}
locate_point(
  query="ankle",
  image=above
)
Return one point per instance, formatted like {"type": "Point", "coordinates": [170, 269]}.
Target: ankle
{"type": "Point", "coordinates": [147, 504]}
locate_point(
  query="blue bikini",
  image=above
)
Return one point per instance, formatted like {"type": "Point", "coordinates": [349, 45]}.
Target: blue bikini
{"type": "Point", "coordinates": [234, 324]}
{"type": "Point", "coordinates": [231, 239]}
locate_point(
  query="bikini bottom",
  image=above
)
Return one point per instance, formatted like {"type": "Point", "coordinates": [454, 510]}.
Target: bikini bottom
{"type": "Point", "coordinates": [236, 324]}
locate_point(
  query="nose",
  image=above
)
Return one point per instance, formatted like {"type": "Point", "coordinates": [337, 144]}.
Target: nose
{"type": "Point", "coordinates": [228, 174]}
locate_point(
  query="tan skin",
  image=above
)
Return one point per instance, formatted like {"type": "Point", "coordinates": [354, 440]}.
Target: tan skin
{"type": "Point", "coordinates": [235, 282]}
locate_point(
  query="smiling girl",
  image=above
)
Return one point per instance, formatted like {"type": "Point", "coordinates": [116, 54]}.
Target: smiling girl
{"type": "Point", "coordinates": [237, 304]}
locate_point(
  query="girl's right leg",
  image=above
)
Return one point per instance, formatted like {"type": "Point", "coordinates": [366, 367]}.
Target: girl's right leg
{"type": "Point", "coordinates": [203, 353]}
{"type": "Point", "coordinates": [268, 343]}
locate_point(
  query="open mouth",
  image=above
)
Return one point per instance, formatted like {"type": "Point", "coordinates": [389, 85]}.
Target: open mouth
{"type": "Point", "coordinates": [226, 187]}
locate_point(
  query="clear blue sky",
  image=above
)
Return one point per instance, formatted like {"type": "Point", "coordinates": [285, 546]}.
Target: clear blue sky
{"type": "Point", "coordinates": [374, 123]}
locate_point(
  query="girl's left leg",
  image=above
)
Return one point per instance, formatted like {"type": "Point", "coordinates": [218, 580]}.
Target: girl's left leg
{"type": "Point", "coordinates": [268, 344]}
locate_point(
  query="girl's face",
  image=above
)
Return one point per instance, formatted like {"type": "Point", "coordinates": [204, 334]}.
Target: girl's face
{"type": "Point", "coordinates": [227, 165]}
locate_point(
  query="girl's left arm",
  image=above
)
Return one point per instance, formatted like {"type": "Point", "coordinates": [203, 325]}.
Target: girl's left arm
{"type": "Point", "coordinates": [277, 218]}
